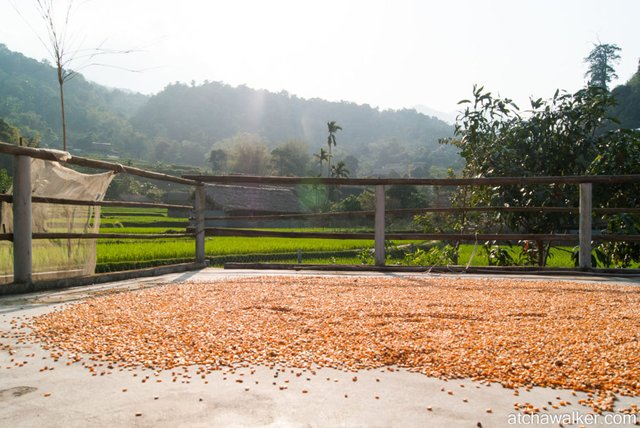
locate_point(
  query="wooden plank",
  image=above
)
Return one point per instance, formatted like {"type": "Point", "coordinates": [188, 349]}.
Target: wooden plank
{"type": "Point", "coordinates": [616, 238]}
{"type": "Point", "coordinates": [111, 235]}
{"type": "Point", "coordinates": [406, 211]}
{"type": "Point", "coordinates": [61, 201]}
{"type": "Point", "coordinates": [58, 156]}
{"type": "Point", "coordinates": [483, 181]}
{"type": "Point", "coordinates": [404, 236]}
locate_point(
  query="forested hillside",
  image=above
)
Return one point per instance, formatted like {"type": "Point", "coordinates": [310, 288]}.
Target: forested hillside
{"type": "Point", "coordinates": [213, 111]}
{"type": "Point", "coordinates": [182, 123]}
{"type": "Point", "coordinates": [628, 97]}
{"type": "Point", "coordinates": [29, 100]}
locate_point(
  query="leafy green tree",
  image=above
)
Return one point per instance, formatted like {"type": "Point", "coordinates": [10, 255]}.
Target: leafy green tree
{"type": "Point", "coordinates": [339, 170]}
{"type": "Point", "coordinates": [5, 181]}
{"type": "Point", "coordinates": [560, 136]}
{"type": "Point", "coordinates": [218, 160]}
{"type": "Point", "coordinates": [9, 133]}
{"type": "Point", "coordinates": [601, 60]}
{"type": "Point", "coordinates": [290, 158]}
{"type": "Point", "coordinates": [333, 128]}
{"type": "Point", "coordinates": [352, 163]}
{"type": "Point", "coordinates": [405, 197]}
{"type": "Point", "coordinates": [321, 156]}
{"type": "Point", "coordinates": [627, 96]}
{"type": "Point", "coordinates": [618, 154]}
{"type": "Point", "coordinates": [250, 158]}
{"type": "Point", "coordinates": [162, 149]}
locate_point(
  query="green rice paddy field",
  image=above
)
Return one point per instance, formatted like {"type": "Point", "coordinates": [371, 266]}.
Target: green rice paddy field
{"type": "Point", "coordinates": [118, 254]}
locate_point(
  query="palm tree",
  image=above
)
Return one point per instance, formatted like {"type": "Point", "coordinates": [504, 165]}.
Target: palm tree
{"type": "Point", "coordinates": [331, 140]}
{"type": "Point", "coordinates": [340, 170]}
{"type": "Point", "coordinates": [321, 156]}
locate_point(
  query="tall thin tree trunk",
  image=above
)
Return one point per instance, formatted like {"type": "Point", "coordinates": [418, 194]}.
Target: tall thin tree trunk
{"type": "Point", "coordinates": [64, 122]}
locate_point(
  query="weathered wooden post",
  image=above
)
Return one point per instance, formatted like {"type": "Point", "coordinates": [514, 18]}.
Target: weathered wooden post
{"type": "Point", "coordinates": [379, 227]}
{"type": "Point", "coordinates": [22, 250]}
{"type": "Point", "coordinates": [584, 259]}
{"type": "Point", "coordinates": [200, 204]}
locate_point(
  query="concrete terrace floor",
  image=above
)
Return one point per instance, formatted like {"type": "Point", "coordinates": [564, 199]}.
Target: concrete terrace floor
{"type": "Point", "coordinates": [68, 396]}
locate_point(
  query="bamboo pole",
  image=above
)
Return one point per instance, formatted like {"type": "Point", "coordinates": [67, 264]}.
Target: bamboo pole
{"type": "Point", "coordinates": [59, 156]}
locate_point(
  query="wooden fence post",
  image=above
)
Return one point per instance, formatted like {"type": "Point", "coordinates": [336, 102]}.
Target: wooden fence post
{"type": "Point", "coordinates": [585, 225]}
{"type": "Point", "coordinates": [200, 204]}
{"type": "Point", "coordinates": [22, 250]}
{"type": "Point", "coordinates": [380, 256]}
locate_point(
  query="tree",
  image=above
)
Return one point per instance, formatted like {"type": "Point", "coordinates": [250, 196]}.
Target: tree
{"type": "Point", "coordinates": [352, 163]}
{"type": "Point", "coordinates": [162, 148]}
{"type": "Point", "coordinates": [248, 154]}
{"type": "Point", "coordinates": [618, 154]}
{"type": "Point", "coordinates": [405, 197]}
{"type": "Point", "coordinates": [601, 60]}
{"type": "Point", "coordinates": [331, 141]}
{"type": "Point", "coordinates": [560, 136]}
{"type": "Point", "coordinates": [12, 135]}
{"type": "Point", "coordinates": [59, 44]}
{"type": "Point", "coordinates": [9, 133]}
{"type": "Point", "coordinates": [322, 156]}
{"type": "Point", "coordinates": [290, 158]}
{"type": "Point", "coordinates": [5, 181]}
{"type": "Point", "coordinates": [218, 160]}
{"type": "Point", "coordinates": [340, 170]}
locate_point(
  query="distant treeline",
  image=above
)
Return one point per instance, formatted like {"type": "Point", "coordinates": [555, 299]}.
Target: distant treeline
{"type": "Point", "coordinates": [183, 123]}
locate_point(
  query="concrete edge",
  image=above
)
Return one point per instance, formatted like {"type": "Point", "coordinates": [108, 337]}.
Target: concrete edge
{"type": "Point", "coordinates": [533, 270]}
{"type": "Point", "coordinates": [24, 288]}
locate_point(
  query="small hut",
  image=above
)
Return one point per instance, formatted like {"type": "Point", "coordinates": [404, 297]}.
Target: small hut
{"type": "Point", "coordinates": [236, 200]}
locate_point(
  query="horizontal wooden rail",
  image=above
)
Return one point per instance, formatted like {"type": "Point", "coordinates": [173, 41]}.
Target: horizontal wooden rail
{"type": "Point", "coordinates": [9, 236]}
{"type": "Point", "coordinates": [61, 201]}
{"type": "Point", "coordinates": [40, 199]}
{"type": "Point", "coordinates": [419, 211]}
{"type": "Point", "coordinates": [59, 156]}
{"type": "Point", "coordinates": [481, 181]}
{"type": "Point", "coordinates": [403, 236]}
{"type": "Point", "coordinates": [407, 236]}
{"type": "Point", "coordinates": [390, 236]}
{"type": "Point", "coordinates": [616, 238]}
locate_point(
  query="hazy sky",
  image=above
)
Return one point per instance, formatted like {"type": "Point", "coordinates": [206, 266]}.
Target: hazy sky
{"type": "Point", "coordinates": [390, 54]}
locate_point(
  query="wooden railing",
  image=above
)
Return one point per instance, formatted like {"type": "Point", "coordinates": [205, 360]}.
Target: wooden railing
{"type": "Point", "coordinates": [21, 199]}
{"type": "Point", "coordinates": [585, 210]}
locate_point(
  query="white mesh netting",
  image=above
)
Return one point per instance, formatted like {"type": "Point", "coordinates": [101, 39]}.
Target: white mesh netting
{"type": "Point", "coordinates": [58, 258]}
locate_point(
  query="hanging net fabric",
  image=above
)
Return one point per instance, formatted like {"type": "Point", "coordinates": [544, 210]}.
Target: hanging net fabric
{"type": "Point", "coordinates": [58, 258]}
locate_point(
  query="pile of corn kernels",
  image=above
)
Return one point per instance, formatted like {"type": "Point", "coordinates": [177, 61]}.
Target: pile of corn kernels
{"type": "Point", "coordinates": [579, 336]}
